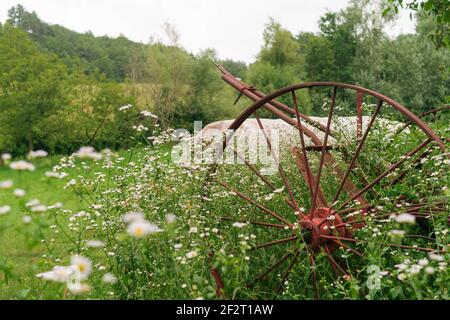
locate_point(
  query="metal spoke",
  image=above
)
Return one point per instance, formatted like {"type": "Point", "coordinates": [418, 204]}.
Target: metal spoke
{"type": "Point", "coordinates": [401, 246]}
{"type": "Point", "coordinates": [303, 146]}
{"type": "Point", "coordinates": [280, 169]}
{"type": "Point", "coordinates": [250, 200]}
{"type": "Point", "coordinates": [384, 174]}
{"type": "Point", "coordinates": [312, 265]}
{"type": "Point", "coordinates": [333, 262]}
{"type": "Point", "coordinates": [273, 267]}
{"type": "Point", "coordinates": [254, 169]}
{"type": "Point", "coordinates": [301, 164]}
{"type": "Point", "coordinates": [358, 150]}
{"type": "Point", "coordinates": [288, 271]}
{"type": "Point", "coordinates": [359, 114]}
{"type": "Point", "coordinates": [322, 157]}
{"type": "Point", "coordinates": [275, 242]}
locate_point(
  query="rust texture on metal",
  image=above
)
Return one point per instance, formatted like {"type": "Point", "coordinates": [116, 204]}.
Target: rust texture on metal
{"type": "Point", "coordinates": [329, 224]}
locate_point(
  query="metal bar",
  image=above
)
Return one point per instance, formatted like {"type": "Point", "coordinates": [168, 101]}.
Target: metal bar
{"type": "Point", "coordinates": [359, 114]}
{"type": "Point", "coordinates": [280, 169]}
{"type": "Point", "coordinates": [272, 243]}
{"type": "Point", "coordinates": [300, 161]}
{"type": "Point", "coordinates": [358, 150]}
{"type": "Point", "coordinates": [286, 274]}
{"type": "Point", "coordinates": [273, 267]}
{"type": "Point", "coordinates": [261, 207]}
{"type": "Point", "coordinates": [255, 95]}
{"type": "Point", "coordinates": [302, 142]}
{"type": "Point", "coordinates": [322, 157]}
{"type": "Point", "coordinates": [387, 244]}
{"type": "Point", "coordinates": [253, 168]}
{"type": "Point", "coordinates": [384, 174]}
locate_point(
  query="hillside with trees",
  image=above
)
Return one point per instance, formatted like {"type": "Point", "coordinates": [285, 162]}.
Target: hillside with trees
{"type": "Point", "coordinates": [60, 89]}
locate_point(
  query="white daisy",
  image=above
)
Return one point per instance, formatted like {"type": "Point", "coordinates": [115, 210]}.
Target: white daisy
{"type": "Point", "coordinates": [6, 184]}
{"type": "Point", "coordinates": [405, 218]}
{"type": "Point", "coordinates": [4, 209]}
{"type": "Point", "coordinates": [142, 228]}
{"type": "Point", "coordinates": [95, 243]}
{"type": "Point", "coordinates": [191, 254]}
{"type": "Point", "coordinates": [57, 274]}
{"type": "Point", "coordinates": [22, 165]}
{"type": "Point", "coordinates": [132, 216]}
{"type": "Point", "coordinates": [83, 265]}
{"type": "Point", "coordinates": [239, 224]}
{"type": "Point", "coordinates": [37, 154]}
{"type": "Point", "coordinates": [19, 193]}
{"type": "Point", "coordinates": [109, 278]}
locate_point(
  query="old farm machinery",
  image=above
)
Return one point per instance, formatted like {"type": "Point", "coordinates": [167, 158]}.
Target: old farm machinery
{"type": "Point", "coordinates": [335, 187]}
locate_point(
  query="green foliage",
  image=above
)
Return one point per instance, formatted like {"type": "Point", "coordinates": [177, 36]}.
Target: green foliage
{"type": "Point", "coordinates": [60, 89]}
{"type": "Point", "coordinates": [109, 56]}
{"type": "Point", "coordinates": [238, 68]}
{"type": "Point", "coordinates": [32, 88]}
{"type": "Point", "coordinates": [279, 63]}
{"type": "Point", "coordinates": [439, 10]}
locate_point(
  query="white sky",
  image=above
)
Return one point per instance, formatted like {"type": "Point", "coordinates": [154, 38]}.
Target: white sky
{"type": "Point", "coordinates": [233, 27]}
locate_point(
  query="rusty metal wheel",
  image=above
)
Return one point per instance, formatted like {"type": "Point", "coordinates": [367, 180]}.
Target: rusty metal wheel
{"type": "Point", "coordinates": [333, 189]}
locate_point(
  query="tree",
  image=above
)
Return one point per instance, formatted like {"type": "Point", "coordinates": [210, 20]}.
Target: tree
{"type": "Point", "coordinates": [32, 87]}
{"type": "Point", "coordinates": [168, 73]}
{"type": "Point", "coordinates": [439, 10]}
{"type": "Point", "coordinates": [237, 68]}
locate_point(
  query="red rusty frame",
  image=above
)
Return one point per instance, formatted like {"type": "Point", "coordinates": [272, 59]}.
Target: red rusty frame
{"type": "Point", "coordinates": [322, 229]}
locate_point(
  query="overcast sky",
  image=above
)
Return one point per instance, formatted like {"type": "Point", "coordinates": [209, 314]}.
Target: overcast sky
{"type": "Point", "coordinates": [233, 27]}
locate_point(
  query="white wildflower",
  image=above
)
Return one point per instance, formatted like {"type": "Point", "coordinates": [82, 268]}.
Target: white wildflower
{"type": "Point", "coordinates": [401, 277]}
{"type": "Point", "coordinates": [146, 113]}
{"type": "Point", "coordinates": [6, 156]}
{"type": "Point", "coordinates": [22, 165]}
{"type": "Point", "coordinates": [39, 208]}
{"type": "Point", "coordinates": [6, 184]}
{"type": "Point", "coordinates": [57, 274]}
{"type": "Point", "coordinates": [4, 209]}
{"type": "Point", "coordinates": [191, 254]}
{"type": "Point", "coordinates": [397, 233]}
{"type": "Point", "coordinates": [435, 257]}
{"type": "Point", "coordinates": [81, 288]}
{"type": "Point", "coordinates": [32, 203]}
{"type": "Point", "coordinates": [423, 262]}
{"type": "Point", "coordinates": [83, 265]}
{"type": "Point", "coordinates": [89, 153]}
{"type": "Point", "coordinates": [94, 243]}
{"type": "Point", "coordinates": [19, 193]}
{"type": "Point", "coordinates": [142, 228]}
{"type": "Point", "coordinates": [406, 218]}
{"type": "Point", "coordinates": [125, 107]}
{"type": "Point", "coordinates": [109, 278]}
{"type": "Point", "coordinates": [37, 154]}
{"type": "Point", "coordinates": [239, 224]}
{"type": "Point", "coordinates": [132, 216]}
{"type": "Point", "coordinates": [171, 218]}
{"type": "Point", "coordinates": [429, 270]}
{"type": "Point", "coordinates": [193, 230]}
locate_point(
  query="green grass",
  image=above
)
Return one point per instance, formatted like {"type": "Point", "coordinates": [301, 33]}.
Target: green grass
{"type": "Point", "coordinates": [176, 262]}
{"type": "Point", "coordinates": [20, 247]}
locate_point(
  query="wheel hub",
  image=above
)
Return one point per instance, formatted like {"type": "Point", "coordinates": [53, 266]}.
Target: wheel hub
{"type": "Point", "coordinates": [320, 223]}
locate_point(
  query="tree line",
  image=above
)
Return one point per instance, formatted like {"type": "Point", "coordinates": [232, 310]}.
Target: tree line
{"type": "Point", "coordinates": [60, 89]}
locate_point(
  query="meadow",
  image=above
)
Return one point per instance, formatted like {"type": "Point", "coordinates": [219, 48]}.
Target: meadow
{"type": "Point", "coordinates": [135, 225]}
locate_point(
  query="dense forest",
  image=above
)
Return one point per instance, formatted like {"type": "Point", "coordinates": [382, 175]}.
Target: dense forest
{"type": "Point", "coordinates": [60, 89]}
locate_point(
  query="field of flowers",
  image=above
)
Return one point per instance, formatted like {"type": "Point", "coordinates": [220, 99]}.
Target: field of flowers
{"type": "Point", "coordinates": [135, 225]}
